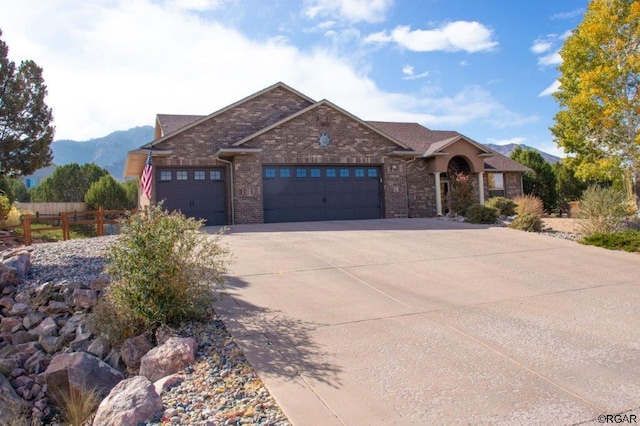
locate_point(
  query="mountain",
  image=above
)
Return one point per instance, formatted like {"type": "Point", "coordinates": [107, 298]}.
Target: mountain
{"type": "Point", "coordinates": [109, 152]}
{"type": "Point", "coordinates": [508, 149]}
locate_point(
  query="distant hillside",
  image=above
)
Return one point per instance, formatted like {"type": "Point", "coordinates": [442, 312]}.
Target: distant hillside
{"type": "Point", "coordinates": [109, 152]}
{"type": "Point", "coordinates": [508, 149]}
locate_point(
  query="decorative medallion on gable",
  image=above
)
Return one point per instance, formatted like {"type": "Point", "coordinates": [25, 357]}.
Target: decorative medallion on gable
{"type": "Point", "coordinates": [324, 139]}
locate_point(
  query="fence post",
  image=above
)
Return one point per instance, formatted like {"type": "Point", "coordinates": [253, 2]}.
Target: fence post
{"type": "Point", "coordinates": [65, 226]}
{"type": "Point", "coordinates": [100, 221]}
{"type": "Point", "coordinates": [26, 230]}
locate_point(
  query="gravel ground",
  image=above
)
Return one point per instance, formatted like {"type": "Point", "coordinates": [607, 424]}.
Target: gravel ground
{"type": "Point", "coordinates": [220, 389]}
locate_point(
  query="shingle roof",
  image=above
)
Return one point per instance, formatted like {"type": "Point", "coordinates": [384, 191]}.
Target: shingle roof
{"type": "Point", "coordinates": [427, 141]}
{"type": "Point", "coordinates": [172, 122]}
{"type": "Point", "coordinates": [502, 163]}
{"type": "Point", "coordinates": [414, 135]}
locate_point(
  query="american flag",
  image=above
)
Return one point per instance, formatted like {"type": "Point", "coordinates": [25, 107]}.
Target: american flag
{"type": "Point", "coordinates": [145, 179]}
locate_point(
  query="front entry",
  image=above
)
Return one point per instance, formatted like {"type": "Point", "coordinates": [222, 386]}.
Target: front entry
{"type": "Point", "coordinates": [300, 193]}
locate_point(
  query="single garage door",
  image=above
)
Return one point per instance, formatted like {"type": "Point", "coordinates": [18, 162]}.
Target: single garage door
{"type": "Point", "coordinates": [309, 193]}
{"type": "Point", "coordinates": [198, 193]}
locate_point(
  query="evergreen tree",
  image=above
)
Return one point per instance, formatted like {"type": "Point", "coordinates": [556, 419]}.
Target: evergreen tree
{"type": "Point", "coordinates": [68, 183]}
{"type": "Point", "coordinates": [25, 130]}
{"type": "Point", "coordinates": [541, 182]}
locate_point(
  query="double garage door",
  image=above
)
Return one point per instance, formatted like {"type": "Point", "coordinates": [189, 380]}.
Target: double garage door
{"type": "Point", "coordinates": [198, 193]}
{"type": "Point", "coordinates": [311, 193]}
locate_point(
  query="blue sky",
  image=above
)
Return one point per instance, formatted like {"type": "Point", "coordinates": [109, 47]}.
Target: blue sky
{"type": "Point", "coordinates": [485, 68]}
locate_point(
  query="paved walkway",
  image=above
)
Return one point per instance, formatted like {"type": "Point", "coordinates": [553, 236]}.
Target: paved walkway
{"type": "Point", "coordinates": [422, 321]}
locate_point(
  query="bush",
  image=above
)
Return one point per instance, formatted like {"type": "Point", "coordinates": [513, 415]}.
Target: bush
{"type": "Point", "coordinates": [461, 193]}
{"type": "Point", "coordinates": [628, 240]}
{"type": "Point", "coordinates": [477, 213]}
{"type": "Point", "coordinates": [163, 272]}
{"type": "Point", "coordinates": [601, 210]}
{"type": "Point", "coordinates": [529, 204]}
{"type": "Point", "coordinates": [505, 206]}
{"type": "Point", "coordinates": [131, 189]}
{"type": "Point", "coordinates": [5, 207]}
{"type": "Point", "coordinates": [529, 222]}
{"type": "Point", "coordinates": [106, 193]}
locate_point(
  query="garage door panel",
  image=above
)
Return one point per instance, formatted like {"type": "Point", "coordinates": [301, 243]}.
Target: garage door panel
{"type": "Point", "coordinates": [315, 193]}
{"type": "Point", "coordinates": [199, 193]}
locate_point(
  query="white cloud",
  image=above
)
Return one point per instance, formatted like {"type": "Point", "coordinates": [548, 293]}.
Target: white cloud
{"type": "Point", "coordinates": [551, 89]}
{"type": "Point", "coordinates": [349, 10]}
{"type": "Point", "coordinates": [196, 5]}
{"type": "Point", "coordinates": [541, 46]}
{"type": "Point", "coordinates": [464, 63]}
{"type": "Point", "coordinates": [514, 140]}
{"type": "Point", "coordinates": [568, 15]}
{"type": "Point", "coordinates": [409, 73]}
{"type": "Point", "coordinates": [550, 59]}
{"type": "Point", "coordinates": [451, 37]}
{"type": "Point", "coordinates": [115, 65]}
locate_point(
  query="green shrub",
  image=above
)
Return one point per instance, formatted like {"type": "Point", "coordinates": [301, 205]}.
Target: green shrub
{"type": "Point", "coordinates": [529, 222]}
{"type": "Point", "coordinates": [601, 210]}
{"type": "Point", "coordinates": [529, 204]}
{"type": "Point", "coordinates": [106, 193]}
{"type": "Point", "coordinates": [131, 190]}
{"type": "Point", "coordinates": [477, 213]}
{"type": "Point", "coordinates": [5, 207]}
{"type": "Point", "coordinates": [163, 270]}
{"type": "Point", "coordinates": [505, 206]}
{"type": "Point", "coordinates": [628, 240]}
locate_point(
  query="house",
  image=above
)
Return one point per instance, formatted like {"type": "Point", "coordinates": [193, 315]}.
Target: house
{"type": "Point", "coordinates": [34, 179]}
{"type": "Point", "coordinates": [280, 156]}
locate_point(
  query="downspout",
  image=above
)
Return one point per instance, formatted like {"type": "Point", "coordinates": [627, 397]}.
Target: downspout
{"type": "Point", "coordinates": [230, 163]}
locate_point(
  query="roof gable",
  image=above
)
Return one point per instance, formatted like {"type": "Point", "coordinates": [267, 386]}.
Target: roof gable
{"type": "Point", "coordinates": [323, 102]}
{"type": "Point", "coordinates": [176, 124]}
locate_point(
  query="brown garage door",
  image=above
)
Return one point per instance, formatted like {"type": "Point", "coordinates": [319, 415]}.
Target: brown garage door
{"type": "Point", "coordinates": [300, 193]}
{"type": "Point", "coordinates": [198, 193]}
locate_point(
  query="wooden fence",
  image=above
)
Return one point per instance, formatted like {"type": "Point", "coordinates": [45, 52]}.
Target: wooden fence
{"type": "Point", "coordinates": [63, 221]}
{"type": "Point", "coordinates": [53, 208]}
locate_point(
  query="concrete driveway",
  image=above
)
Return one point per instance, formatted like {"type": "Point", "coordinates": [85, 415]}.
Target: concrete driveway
{"type": "Point", "coordinates": [421, 321]}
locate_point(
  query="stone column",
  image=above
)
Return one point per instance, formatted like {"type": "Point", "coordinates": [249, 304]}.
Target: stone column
{"type": "Point", "coordinates": [438, 195]}
{"type": "Point", "coordinates": [481, 187]}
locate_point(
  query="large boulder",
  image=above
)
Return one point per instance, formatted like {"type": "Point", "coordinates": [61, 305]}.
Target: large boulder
{"type": "Point", "coordinates": [21, 262]}
{"type": "Point", "coordinates": [131, 402]}
{"type": "Point", "coordinates": [13, 409]}
{"type": "Point", "coordinates": [79, 371]}
{"type": "Point", "coordinates": [169, 358]}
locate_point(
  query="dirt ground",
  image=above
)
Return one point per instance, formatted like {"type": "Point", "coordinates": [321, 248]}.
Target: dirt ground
{"type": "Point", "coordinates": [560, 224]}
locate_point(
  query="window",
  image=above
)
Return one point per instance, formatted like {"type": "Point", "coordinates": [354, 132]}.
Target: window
{"type": "Point", "coordinates": [269, 172]}
{"type": "Point", "coordinates": [165, 175]}
{"type": "Point", "coordinates": [315, 173]}
{"type": "Point", "coordinates": [198, 175]}
{"type": "Point", "coordinates": [372, 172]}
{"type": "Point", "coordinates": [215, 175]}
{"type": "Point", "coordinates": [496, 184]}
{"type": "Point", "coordinates": [344, 172]}
{"type": "Point", "coordinates": [331, 173]}
{"type": "Point", "coordinates": [285, 173]}
{"type": "Point", "coordinates": [359, 172]}
{"type": "Point", "coordinates": [182, 175]}
{"type": "Point", "coordinates": [301, 173]}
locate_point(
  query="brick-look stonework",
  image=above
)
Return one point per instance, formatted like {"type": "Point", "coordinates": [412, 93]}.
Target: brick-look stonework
{"type": "Point", "coordinates": [296, 142]}
{"type": "Point", "coordinates": [421, 189]}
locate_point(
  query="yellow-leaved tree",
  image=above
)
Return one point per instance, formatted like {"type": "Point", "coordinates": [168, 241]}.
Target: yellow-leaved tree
{"type": "Point", "coordinates": [599, 119]}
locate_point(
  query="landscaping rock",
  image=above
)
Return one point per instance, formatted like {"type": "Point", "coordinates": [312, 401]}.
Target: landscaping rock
{"type": "Point", "coordinates": [21, 262]}
{"type": "Point", "coordinates": [169, 358]}
{"type": "Point", "coordinates": [84, 299]}
{"type": "Point", "coordinates": [8, 276]}
{"type": "Point", "coordinates": [133, 349]}
{"type": "Point", "coordinates": [168, 382]}
{"type": "Point", "coordinates": [100, 347]}
{"type": "Point", "coordinates": [130, 402]}
{"type": "Point", "coordinates": [12, 407]}
{"type": "Point", "coordinates": [79, 371]}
